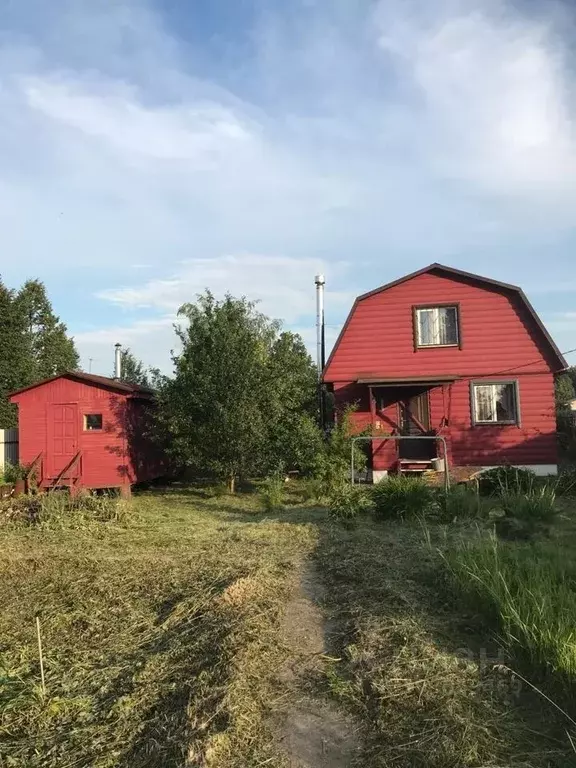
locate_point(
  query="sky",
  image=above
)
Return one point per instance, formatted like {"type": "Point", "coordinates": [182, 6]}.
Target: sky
{"type": "Point", "coordinates": [150, 149]}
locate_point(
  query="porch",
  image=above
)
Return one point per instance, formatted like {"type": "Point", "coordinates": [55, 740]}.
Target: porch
{"type": "Point", "coordinates": [409, 408]}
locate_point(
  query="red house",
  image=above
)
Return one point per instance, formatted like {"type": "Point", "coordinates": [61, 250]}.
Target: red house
{"type": "Point", "coordinates": [85, 431]}
{"type": "Point", "coordinates": [442, 352]}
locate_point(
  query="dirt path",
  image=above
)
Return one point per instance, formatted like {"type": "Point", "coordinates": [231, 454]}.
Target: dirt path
{"type": "Point", "coordinates": [314, 733]}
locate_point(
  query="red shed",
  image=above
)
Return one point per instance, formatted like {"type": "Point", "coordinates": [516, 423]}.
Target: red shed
{"type": "Point", "coordinates": [441, 352]}
{"type": "Point", "coordinates": [85, 431]}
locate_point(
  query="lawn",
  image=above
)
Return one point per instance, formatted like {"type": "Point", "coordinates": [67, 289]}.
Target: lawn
{"type": "Point", "coordinates": [158, 635]}
{"type": "Point", "coordinates": [162, 638]}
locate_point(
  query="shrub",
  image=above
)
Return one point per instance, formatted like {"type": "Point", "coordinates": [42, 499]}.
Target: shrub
{"type": "Point", "coordinates": [271, 493]}
{"type": "Point", "coordinates": [14, 472]}
{"type": "Point", "coordinates": [401, 496]}
{"type": "Point", "coordinates": [459, 502]}
{"type": "Point", "coordinates": [351, 501]}
{"type": "Point", "coordinates": [522, 515]}
{"type": "Point", "coordinates": [506, 480]}
{"type": "Point", "coordinates": [331, 468]}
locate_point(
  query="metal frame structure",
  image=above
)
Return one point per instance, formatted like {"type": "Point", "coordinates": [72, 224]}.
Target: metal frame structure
{"type": "Point", "coordinates": [403, 437]}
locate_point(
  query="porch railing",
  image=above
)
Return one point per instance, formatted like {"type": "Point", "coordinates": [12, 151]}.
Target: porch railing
{"type": "Point", "coordinates": [403, 437]}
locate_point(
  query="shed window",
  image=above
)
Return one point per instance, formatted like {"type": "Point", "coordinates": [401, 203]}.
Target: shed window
{"type": "Point", "coordinates": [92, 421]}
{"type": "Point", "coordinates": [495, 403]}
{"type": "Point", "coordinates": [437, 326]}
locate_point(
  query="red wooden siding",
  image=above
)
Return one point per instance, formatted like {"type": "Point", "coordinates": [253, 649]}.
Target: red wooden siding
{"type": "Point", "coordinates": [497, 334]}
{"type": "Point", "coordinates": [51, 421]}
{"type": "Point", "coordinates": [499, 340]}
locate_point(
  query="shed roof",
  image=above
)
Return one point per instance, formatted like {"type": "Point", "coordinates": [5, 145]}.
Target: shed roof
{"type": "Point", "coordinates": [453, 272]}
{"type": "Point", "coordinates": [89, 378]}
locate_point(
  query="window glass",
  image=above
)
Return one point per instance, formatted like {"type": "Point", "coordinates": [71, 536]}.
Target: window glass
{"type": "Point", "coordinates": [92, 421]}
{"type": "Point", "coordinates": [437, 326]}
{"type": "Point", "coordinates": [495, 403]}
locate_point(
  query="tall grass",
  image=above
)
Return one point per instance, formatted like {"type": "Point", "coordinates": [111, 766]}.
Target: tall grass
{"type": "Point", "coordinates": [351, 501]}
{"type": "Point", "coordinates": [271, 494]}
{"type": "Point", "coordinates": [60, 510]}
{"type": "Point", "coordinates": [401, 496]}
{"type": "Point", "coordinates": [529, 591]}
{"type": "Point", "coordinates": [457, 503]}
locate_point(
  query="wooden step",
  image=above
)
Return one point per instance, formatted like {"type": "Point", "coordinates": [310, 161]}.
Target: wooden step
{"type": "Point", "coordinates": [414, 465]}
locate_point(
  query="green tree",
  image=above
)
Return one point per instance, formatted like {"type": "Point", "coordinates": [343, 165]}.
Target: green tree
{"type": "Point", "coordinates": [564, 390]}
{"type": "Point", "coordinates": [292, 404]}
{"type": "Point", "coordinates": [52, 351]}
{"type": "Point", "coordinates": [571, 372]}
{"type": "Point", "coordinates": [15, 363]}
{"type": "Point", "coordinates": [133, 370]}
{"type": "Point", "coordinates": [233, 407]}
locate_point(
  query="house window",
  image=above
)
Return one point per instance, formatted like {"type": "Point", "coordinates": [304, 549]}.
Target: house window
{"type": "Point", "coordinates": [495, 403]}
{"type": "Point", "coordinates": [437, 326]}
{"type": "Point", "coordinates": [92, 421]}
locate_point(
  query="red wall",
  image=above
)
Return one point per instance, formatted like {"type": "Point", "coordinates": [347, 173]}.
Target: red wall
{"type": "Point", "coordinates": [499, 340]}
{"type": "Point", "coordinates": [106, 456]}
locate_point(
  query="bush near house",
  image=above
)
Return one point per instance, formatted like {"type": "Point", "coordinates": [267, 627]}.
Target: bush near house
{"type": "Point", "coordinates": [506, 480]}
{"type": "Point", "coordinates": [402, 497]}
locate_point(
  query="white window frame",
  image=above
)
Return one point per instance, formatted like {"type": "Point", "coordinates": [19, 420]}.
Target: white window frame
{"type": "Point", "coordinates": [418, 310]}
{"type": "Point", "coordinates": [474, 402]}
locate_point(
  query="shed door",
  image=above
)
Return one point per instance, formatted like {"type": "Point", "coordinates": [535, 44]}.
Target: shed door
{"type": "Point", "coordinates": [62, 436]}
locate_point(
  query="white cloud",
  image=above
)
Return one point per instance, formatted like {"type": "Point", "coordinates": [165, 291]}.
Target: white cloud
{"type": "Point", "coordinates": [199, 133]}
{"type": "Point", "coordinates": [150, 340]}
{"type": "Point", "coordinates": [283, 286]}
{"type": "Point", "coordinates": [495, 96]}
{"type": "Point", "coordinates": [365, 143]}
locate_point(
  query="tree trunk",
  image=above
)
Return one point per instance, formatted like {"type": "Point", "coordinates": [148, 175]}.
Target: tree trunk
{"type": "Point", "coordinates": [232, 483]}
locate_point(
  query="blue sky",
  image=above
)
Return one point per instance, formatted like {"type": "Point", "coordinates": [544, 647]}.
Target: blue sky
{"type": "Point", "coordinates": [152, 149]}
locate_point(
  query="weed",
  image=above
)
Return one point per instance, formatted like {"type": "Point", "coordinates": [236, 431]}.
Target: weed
{"type": "Point", "coordinates": [58, 509]}
{"type": "Point", "coordinates": [401, 496]}
{"type": "Point", "coordinates": [272, 493]}
{"type": "Point", "coordinates": [457, 503]}
{"type": "Point", "coordinates": [524, 515]}
{"type": "Point", "coordinates": [506, 479]}
{"type": "Point", "coordinates": [351, 501]}
{"type": "Point", "coordinates": [530, 592]}
{"type": "Point", "coordinates": [565, 483]}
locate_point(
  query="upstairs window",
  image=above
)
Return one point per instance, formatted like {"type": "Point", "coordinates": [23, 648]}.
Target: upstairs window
{"type": "Point", "coordinates": [436, 326]}
{"type": "Point", "coordinates": [495, 403]}
{"type": "Point", "coordinates": [92, 422]}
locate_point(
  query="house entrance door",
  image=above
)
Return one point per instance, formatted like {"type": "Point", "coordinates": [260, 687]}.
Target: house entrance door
{"type": "Point", "coordinates": [414, 421]}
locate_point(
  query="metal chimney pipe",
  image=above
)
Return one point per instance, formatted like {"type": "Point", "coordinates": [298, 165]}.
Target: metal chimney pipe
{"type": "Point", "coordinates": [320, 282]}
{"type": "Point", "coordinates": [118, 361]}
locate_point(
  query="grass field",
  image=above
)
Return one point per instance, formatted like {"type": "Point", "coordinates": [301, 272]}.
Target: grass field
{"type": "Point", "coordinates": [158, 636]}
{"type": "Point", "coordinates": [161, 643]}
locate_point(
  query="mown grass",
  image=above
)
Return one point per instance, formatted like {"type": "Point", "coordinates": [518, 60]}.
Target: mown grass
{"type": "Point", "coordinates": [159, 636]}
{"type": "Point", "coordinates": [161, 640]}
